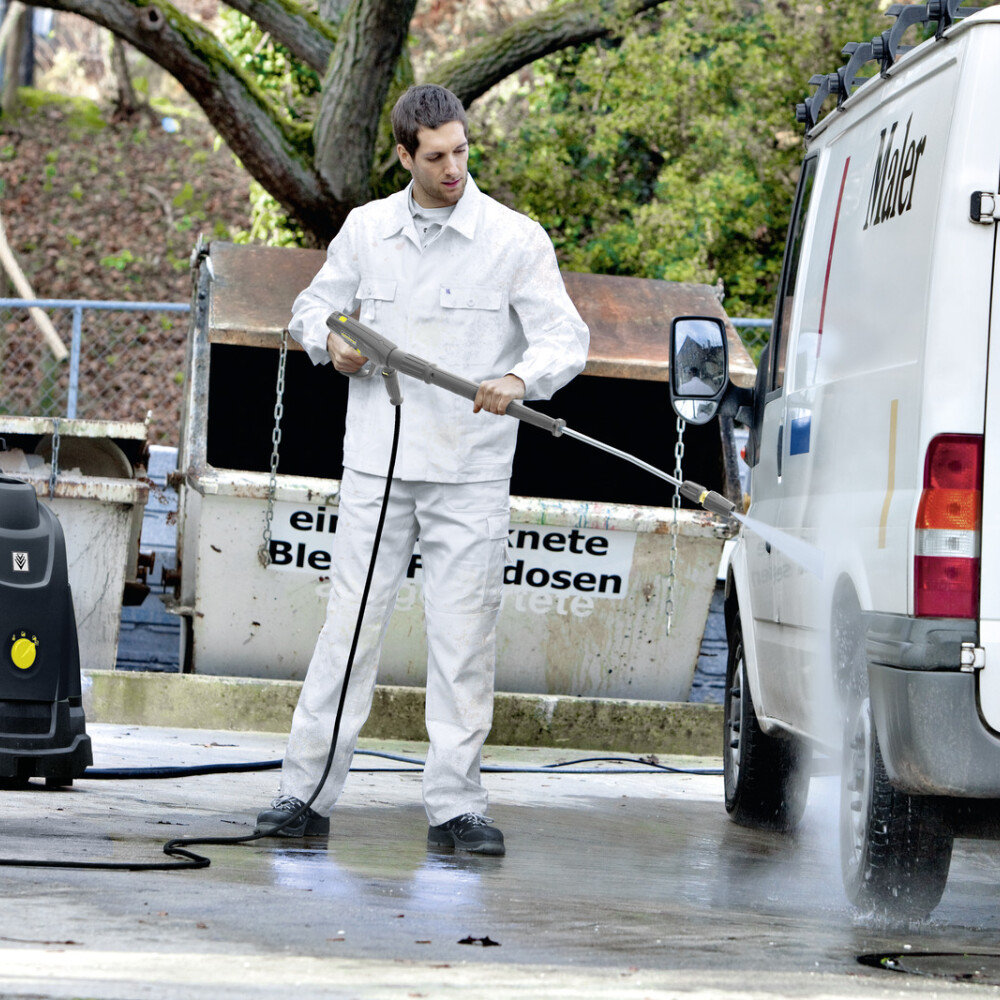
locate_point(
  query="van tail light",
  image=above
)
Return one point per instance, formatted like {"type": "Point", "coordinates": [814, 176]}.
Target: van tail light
{"type": "Point", "coordinates": [946, 560]}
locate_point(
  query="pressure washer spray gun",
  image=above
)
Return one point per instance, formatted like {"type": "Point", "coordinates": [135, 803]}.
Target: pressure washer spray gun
{"type": "Point", "coordinates": [392, 360]}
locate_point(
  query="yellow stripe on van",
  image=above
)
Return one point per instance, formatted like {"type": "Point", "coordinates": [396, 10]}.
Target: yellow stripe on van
{"type": "Point", "coordinates": [890, 485]}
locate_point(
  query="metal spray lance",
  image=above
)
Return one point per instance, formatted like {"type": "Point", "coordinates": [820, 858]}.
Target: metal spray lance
{"type": "Point", "coordinates": [391, 359]}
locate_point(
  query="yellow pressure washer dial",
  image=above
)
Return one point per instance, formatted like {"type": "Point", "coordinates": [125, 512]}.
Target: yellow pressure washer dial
{"type": "Point", "coordinates": [23, 649]}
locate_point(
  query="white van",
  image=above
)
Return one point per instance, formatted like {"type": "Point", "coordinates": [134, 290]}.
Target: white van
{"type": "Point", "coordinates": [870, 441]}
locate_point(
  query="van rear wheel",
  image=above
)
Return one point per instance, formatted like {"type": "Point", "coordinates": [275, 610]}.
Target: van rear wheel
{"type": "Point", "coordinates": [766, 781]}
{"type": "Point", "coordinates": [895, 849]}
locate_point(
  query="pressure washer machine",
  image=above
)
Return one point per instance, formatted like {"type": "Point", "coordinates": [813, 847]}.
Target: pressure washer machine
{"type": "Point", "coordinates": [42, 725]}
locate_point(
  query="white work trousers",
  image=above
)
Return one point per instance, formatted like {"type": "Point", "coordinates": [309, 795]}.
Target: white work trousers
{"type": "Point", "coordinates": [462, 529]}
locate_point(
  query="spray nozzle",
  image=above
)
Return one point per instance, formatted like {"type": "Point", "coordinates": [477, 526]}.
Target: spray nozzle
{"type": "Point", "coordinates": [713, 502]}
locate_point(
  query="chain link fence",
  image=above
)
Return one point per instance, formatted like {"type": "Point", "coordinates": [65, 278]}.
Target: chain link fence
{"type": "Point", "coordinates": [124, 361]}
{"type": "Point", "coordinates": [754, 333]}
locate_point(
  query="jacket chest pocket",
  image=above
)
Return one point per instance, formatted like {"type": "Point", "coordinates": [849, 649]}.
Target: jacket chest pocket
{"type": "Point", "coordinates": [476, 321]}
{"type": "Point", "coordinates": [374, 294]}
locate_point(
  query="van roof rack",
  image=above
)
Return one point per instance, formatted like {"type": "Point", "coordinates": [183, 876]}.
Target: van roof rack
{"type": "Point", "coordinates": [882, 49]}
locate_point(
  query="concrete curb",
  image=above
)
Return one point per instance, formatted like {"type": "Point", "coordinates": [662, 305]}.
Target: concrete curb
{"type": "Point", "coordinates": [195, 701]}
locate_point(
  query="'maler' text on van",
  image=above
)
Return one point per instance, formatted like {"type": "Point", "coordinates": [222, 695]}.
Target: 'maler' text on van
{"type": "Point", "coordinates": [895, 175]}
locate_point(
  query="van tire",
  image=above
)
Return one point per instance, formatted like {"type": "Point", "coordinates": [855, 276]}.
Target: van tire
{"type": "Point", "coordinates": [895, 849]}
{"type": "Point", "coordinates": [766, 781]}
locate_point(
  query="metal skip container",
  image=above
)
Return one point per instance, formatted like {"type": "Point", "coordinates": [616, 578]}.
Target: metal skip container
{"type": "Point", "coordinates": [597, 555]}
{"type": "Point", "coordinates": [85, 471]}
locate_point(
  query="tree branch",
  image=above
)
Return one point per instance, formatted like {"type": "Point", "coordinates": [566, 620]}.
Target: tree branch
{"type": "Point", "coordinates": [471, 73]}
{"type": "Point", "coordinates": [307, 37]}
{"type": "Point", "coordinates": [275, 151]}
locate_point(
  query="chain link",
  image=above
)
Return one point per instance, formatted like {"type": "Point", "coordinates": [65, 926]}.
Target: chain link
{"type": "Point", "coordinates": [264, 552]}
{"type": "Point", "coordinates": [674, 525]}
{"type": "Point", "coordinates": [54, 463]}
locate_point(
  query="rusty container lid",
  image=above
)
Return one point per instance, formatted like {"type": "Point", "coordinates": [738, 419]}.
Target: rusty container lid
{"type": "Point", "coordinates": [253, 288]}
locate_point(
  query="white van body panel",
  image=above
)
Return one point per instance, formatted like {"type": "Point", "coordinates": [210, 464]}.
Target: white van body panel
{"type": "Point", "coordinates": [888, 347]}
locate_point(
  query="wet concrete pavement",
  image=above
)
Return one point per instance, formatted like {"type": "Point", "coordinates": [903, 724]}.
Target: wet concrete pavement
{"type": "Point", "coordinates": [620, 885]}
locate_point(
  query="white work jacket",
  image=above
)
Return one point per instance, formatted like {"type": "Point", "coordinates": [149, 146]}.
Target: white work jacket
{"type": "Point", "coordinates": [484, 299]}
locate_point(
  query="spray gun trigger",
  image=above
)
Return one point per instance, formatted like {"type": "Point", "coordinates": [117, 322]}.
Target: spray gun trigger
{"type": "Point", "coordinates": [392, 386]}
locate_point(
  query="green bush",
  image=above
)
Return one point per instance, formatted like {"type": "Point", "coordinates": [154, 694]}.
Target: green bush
{"type": "Point", "coordinates": [673, 153]}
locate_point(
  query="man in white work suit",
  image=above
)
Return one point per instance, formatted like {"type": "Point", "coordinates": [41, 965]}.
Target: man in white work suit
{"type": "Point", "coordinates": [450, 275]}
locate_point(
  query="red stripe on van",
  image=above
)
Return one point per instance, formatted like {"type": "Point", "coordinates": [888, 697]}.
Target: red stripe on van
{"type": "Point", "coordinates": [829, 257]}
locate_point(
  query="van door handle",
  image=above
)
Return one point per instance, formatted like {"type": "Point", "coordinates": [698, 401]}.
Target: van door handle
{"type": "Point", "coordinates": [781, 435]}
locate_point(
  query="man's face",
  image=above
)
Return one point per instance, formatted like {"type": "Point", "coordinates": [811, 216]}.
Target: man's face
{"type": "Point", "coordinates": [439, 165]}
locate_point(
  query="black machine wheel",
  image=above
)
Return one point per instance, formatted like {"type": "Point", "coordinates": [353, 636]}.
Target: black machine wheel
{"type": "Point", "coordinates": [895, 849]}
{"type": "Point", "coordinates": [766, 780]}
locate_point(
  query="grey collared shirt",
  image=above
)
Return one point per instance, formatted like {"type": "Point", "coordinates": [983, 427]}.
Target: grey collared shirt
{"type": "Point", "coordinates": [429, 222]}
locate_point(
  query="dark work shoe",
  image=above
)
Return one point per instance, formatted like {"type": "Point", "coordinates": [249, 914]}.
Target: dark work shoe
{"type": "Point", "coordinates": [309, 824]}
{"type": "Point", "coordinates": [468, 832]}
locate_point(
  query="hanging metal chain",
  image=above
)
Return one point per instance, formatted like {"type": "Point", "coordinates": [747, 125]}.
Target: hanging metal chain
{"type": "Point", "coordinates": [264, 552]}
{"type": "Point", "coordinates": [54, 463]}
{"type": "Point", "coordinates": [674, 525]}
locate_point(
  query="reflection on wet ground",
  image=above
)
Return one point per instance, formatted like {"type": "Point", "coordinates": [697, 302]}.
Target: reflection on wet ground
{"type": "Point", "coordinates": [661, 880]}
{"type": "Point", "coordinates": [608, 870]}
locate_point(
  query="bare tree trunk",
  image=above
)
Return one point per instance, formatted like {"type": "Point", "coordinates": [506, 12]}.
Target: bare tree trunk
{"type": "Point", "coordinates": [17, 49]}
{"type": "Point", "coordinates": [127, 102]}
{"type": "Point", "coordinates": [368, 48]}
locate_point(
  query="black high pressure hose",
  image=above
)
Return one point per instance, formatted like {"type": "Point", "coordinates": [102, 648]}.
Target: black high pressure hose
{"type": "Point", "coordinates": [650, 765]}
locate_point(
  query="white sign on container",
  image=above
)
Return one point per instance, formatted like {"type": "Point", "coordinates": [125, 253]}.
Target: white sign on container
{"type": "Point", "coordinates": [549, 568]}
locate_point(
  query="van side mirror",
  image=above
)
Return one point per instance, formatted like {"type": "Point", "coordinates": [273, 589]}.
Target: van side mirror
{"type": "Point", "coordinates": [699, 367]}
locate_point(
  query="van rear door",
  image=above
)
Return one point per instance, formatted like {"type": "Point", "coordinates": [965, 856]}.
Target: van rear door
{"type": "Point", "coordinates": [978, 164]}
{"type": "Point", "coordinates": [989, 602]}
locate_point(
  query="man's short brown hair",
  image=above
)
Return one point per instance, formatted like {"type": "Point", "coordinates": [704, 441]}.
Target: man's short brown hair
{"type": "Point", "coordinates": [426, 105]}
